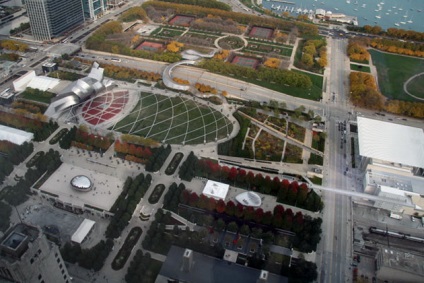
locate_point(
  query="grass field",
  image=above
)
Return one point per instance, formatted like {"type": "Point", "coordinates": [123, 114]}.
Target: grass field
{"type": "Point", "coordinates": [167, 32]}
{"type": "Point", "coordinates": [266, 48]}
{"type": "Point", "coordinates": [360, 68]}
{"type": "Point", "coordinates": [394, 70]}
{"type": "Point", "coordinates": [174, 120]}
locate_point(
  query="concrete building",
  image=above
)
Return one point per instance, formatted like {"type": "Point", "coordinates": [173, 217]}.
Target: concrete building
{"type": "Point", "coordinates": [184, 265]}
{"type": "Point", "coordinates": [397, 266]}
{"type": "Point", "coordinates": [27, 256]}
{"type": "Point", "coordinates": [94, 9]}
{"type": "Point", "coordinates": [52, 18]}
{"type": "Point", "coordinates": [393, 162]}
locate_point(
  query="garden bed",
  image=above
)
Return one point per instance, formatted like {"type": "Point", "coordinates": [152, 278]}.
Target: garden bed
{"type": "Point", "coordinates": [125, 251]}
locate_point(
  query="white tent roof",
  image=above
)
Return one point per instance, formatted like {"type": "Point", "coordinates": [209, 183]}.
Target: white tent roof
{"type": "Point", "coordinates": [43, 83]}
{"type": "Point", "coordinates": [82, 231]}
{"type": "Point", "coordinates": [216, 190]}
{"type": "Point", "coordinates": [14, 135]}
{"type": "Point", "coordinates": [391, 142]}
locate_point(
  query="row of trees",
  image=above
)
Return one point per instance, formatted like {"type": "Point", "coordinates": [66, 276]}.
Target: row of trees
{"type": "Point", "coordinates": [13, 155]}
{"type": "Point", "coordinates": [141, 269]}
{"type": "Point", "coordinates": [92, 258]}
{"type": "Point", "coordinates": [17, 194]}
{"type": "Point", "coordinates": [205, 88]}
{"type": "Point", "coordinates": [82, 138]}
{"type": "Point", "coordinates": [129, 74]}
{"type": "Point", "coordinates": [391, 32]}
{"type": "Point", "coordinates": [139, 140]}
{"type": "Point", "coordinates": [399, 47]}
{"type": "Point", "coordinates": [158, 158]}
{"type": "Point", "coordinates": [311, 50]}
{"type": "Point", "coordinates": [141, 152]}
{"type": "Point", "coordinates": [279, 77]}
{"type": "Point", "coordinates": [412, 109]}
{"type": "Point", "coordinates": [10, 57]}
{"type": "Point", "coordinates": [125, 204]}
{"type": "Point", "coordinates": [20, 28]}
{"type": "Point", "coordinates": [241, 18]}
{"type": "Point", "coordinates": [26, 106]}
{"type": "Point", "coordinates": [203, 3]}
{"type": "Point", "coordinates": [30, 123]}
{"type": "Point", "coordinates": [5, 212]}
{"type": "Point", "coordinates": [132, 14]}
{"type": "Point", "coordinates": [291, 193]}
{"type": "Point", "coordinates": [13, 45]}
{"type": "Point", "coordinates": [307, 229]}
{"type": "Point", "coordinates": [363, 91]}
{"type": "Point", "coordinates": [357, 51]}
{"type": "Point", "coordinates": [188, 167]}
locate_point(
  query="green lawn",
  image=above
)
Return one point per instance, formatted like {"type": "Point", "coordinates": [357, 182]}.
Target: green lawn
{"type": "Point", "coordinates": [394, 71]}
{"type": "Point", "coordinates": [360, 68]}
{"type": "Point", "coordinates": [167, 32]}
{"type": "Point", "coordinates": [264, 48]}
{"type": "Point", "coordinates": [174, 120]}
{"type": "Point", "coordinates": [43, 97]}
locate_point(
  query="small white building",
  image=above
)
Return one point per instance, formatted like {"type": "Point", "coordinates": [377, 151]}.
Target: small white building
{"type": "Point", "coordinates": [216, 190]}
{"type": "Point", "coordinates": [14, 135]}
{"type": "Point", "coordinates": [82, 231]}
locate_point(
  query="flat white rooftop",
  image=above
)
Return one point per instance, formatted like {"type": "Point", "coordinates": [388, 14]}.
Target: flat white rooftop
{"type": "Point", "coordinates": [106, 189]}
{"type": "Point", "coordinates": [216, 190]}
{"type": "Point", "coordinates": [14, 135]}
{"type": "Point", "coordinates": [391, 142]}
{"type": "Point", "coordinates": [83, 231]}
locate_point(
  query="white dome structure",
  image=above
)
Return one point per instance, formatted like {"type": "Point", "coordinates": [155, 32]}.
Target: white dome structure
{"type": "Point", "coordinates": [249, 199]}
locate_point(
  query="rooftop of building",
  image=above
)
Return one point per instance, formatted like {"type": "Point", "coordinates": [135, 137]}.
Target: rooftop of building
{"type": "Point", "coordinates": [401, 260]}
{"type": "Point", "coordinates": [391, 142]}
{"type": "Point", "coordinates": [208, 269]}
{"type": "Point", "coordinates": [14, 242]}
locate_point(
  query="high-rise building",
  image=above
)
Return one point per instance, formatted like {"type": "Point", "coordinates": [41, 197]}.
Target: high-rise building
{"type": "Point", "coordinates": [93, 8]}
{"type": "Point", "coordinates": [27, 256]}
{"type": "Point", "coordinates": [51, 18]}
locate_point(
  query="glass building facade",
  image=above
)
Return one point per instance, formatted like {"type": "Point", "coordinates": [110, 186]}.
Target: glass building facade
{"type": "Point", "coordinates": [51, 18]}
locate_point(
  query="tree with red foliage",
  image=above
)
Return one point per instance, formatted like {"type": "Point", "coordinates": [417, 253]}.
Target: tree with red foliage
{"type": "Point", "coordinates": [230, 208]}
{"type": "Point", "coordinates": [185, 197]}
{"type": "Point", "coordinates": [239, 213]}
{"type": "Point", "coordinates": [267, 218]}
{"type": "Point", "coordinates": [288, 221]}
{"type": "Point", "coordinates": [302, 194]}
{"type": "Point", "coordinates": [277, 220]}
{"type": "Point", "coordinates": [279, 210]}
{"type": "Point", "coordinates": [250, 178]}
{"type": "Point", "coordinates": [258, 215]}
{"type": "Point", "coordinates": [275, 187]}
{"type": "Point", "coordinates": [220, 206]}
{"type": "Point", "coordinates": [241, 177]}
{"type": "Point", "coordinates": [249, 213]}
{"type": "Point", "coordinates": [211, 205]}
{"type": "Point", "coordinates": [259, 180]}
{"type": "Point", "coordinates": [225, 170]}
{"type": "Point", "coordinates": [285, 183]}
{"type": "Point", "coordinates": [267, 185]}
{"type": "Point", "coordinates": [232, 175]}
{"type": "Point", "coordinates": [193, 199]}
{"type": "Point", "coordinates": [202, 202]}
{"type": "Point", "coordinates": [292, 192]}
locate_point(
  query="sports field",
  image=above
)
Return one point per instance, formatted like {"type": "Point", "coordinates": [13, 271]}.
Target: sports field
{"type": "Point", "coordinates": [394, 70]}
{"type": "Point", "coordinates": [261, 32]}
{"type": "Point", "coordinates": [174, 120]}
{"type": "Point", "coordinates": [150, 46]}
{"type": "Point", "coordinates": [181, 20]}
{"type": "Point", "coordinates": [245, 61]}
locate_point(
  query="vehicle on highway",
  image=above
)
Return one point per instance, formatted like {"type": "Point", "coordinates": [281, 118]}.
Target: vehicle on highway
{"type": "Point", "coordinates": [115, 60]}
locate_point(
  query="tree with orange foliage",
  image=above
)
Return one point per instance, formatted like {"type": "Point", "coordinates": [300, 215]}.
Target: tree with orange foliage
{"type": "Point", "coordinates": [174, 46]}
{"type": "Point", "coordinates": [222, 55]}
{"type": "Point", "coordinates": [272, 63]}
